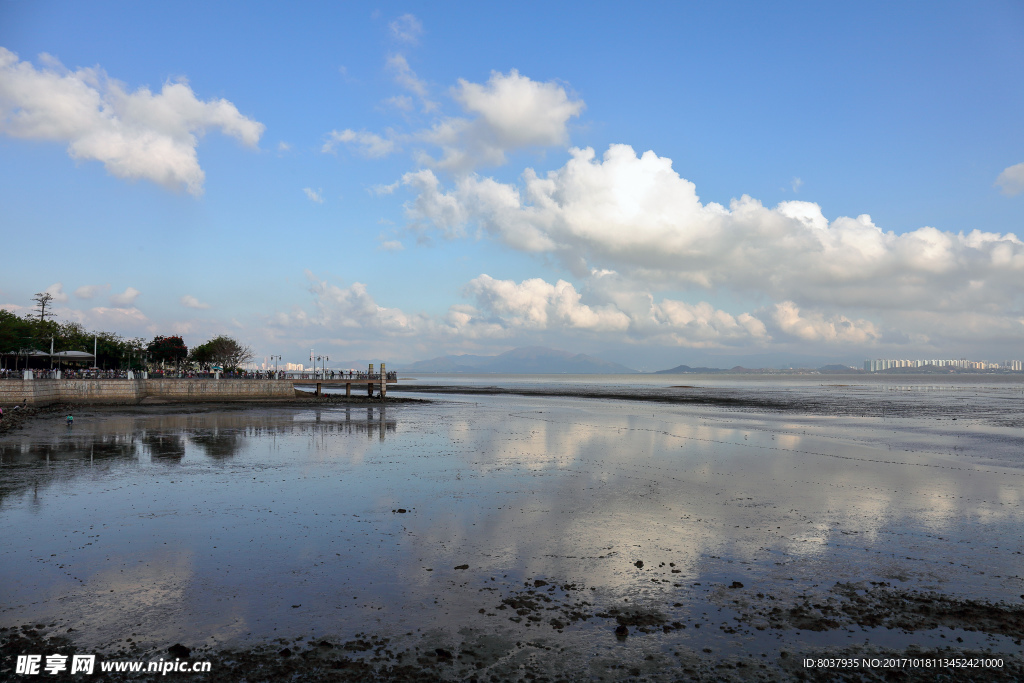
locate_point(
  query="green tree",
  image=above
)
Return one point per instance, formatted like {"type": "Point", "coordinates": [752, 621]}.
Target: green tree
{"type": "Point", "coordinates": [19, 335]}
{"type": "Point", "coordinates": [223, 351]}
{"type": "Point", "coordinates": [167, 350]}
{"type": "Point", "coordinates": [15, 333]}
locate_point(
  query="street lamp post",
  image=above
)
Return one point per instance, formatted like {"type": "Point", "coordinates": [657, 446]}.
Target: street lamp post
{"type": "Point", "coordinates": [275, 359]}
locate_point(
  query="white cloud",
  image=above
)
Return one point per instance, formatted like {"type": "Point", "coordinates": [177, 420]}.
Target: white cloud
{"type": "Point", "coordinates": [817, 327]}
{"type": "Point", "coordinates": [370, 144]}
{"type": "Point", "coordinates": [385, 189]}
{"type": "Point", "coordinates": [538, 304]}
{"type": "Point", "coordinates": [347, 308]}
{"type": "Point", "coordinates": [56, 290]}
{"type": "Point", "coordinates": [518, 111]}
{"type": "Point", "coordinates": [407, 78]}
{"type": "Point", "coordinates": [702, 325]}
{"type": "Point", "coordinates": [1011, 180]}
{"type": "Point", "coordinates": [126, 321]}
{"type": "Point", "coordinates": [796, 184]}
{"type": "Point", "coordinates": [90, 291]}
{"type": "Point", "coordinates": [536, 311]}
{"type": "Point", "coordinates": [189, 301]}
{"type": "Point", "coordinates": [622, 316]}
{"type": "Point", "coordinates": [406, 28]}
{"type": "Point", "coordinates": [403, 102]}
{"type": "Point", "coordinates": [636, 215]}
{"type": "Point", "coordinates": [314, 195]}
{"type": "Point", "coordinates": [283, 147]}
{"type": "Point", "coordinates": [510, 112]}
{"type": "Point", "coordinates": [134, 134]}
{"type": "Point", "coordinates": [125, 298]}
{"type": "Point", "coordinates": [391, 245]}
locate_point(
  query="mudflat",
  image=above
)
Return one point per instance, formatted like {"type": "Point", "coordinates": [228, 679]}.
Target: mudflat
{"type": "Point", "coordinates": [671, 533]}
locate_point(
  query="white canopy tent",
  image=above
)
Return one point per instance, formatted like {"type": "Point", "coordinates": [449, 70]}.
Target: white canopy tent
{"type": "Point", "coordinates": [72, 356]}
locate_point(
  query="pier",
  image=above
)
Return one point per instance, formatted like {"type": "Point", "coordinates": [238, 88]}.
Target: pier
{"type": "Point", "coordinates": [368, 379]}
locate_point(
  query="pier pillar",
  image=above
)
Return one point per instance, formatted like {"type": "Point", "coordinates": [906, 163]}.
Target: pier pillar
{"type": "Point", "coordinates": [383, 384]}
{"type": "Point", "coordinates": [318, 389]}
{"type": "Point", "coordinates": [369, 381]}
{"type": "Point", "coordinates": [348, 389]}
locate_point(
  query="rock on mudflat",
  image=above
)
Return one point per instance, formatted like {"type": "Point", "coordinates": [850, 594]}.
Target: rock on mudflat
{"type": "Point", "coordinates": [179, 650]}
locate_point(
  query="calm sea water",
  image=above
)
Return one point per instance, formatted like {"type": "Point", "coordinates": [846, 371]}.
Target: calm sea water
{"type": "Point", "coordinates": [242, 526]}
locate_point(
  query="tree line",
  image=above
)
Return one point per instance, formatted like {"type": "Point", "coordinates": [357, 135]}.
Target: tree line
{"type": "Point", "coordinates": [21, 335]}
{"type": "Point", "coordinates": [221, 351]}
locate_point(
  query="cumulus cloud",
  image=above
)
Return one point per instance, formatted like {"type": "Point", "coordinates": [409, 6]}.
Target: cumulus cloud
{"type": "Point", "coordinates": [347, 308]}
{"type": "Point", "coordinates": [189, 301]}
{"type": "Point", "coordinates": [636, 215]}
{"type": "Point", "coordinates": [369, 144]}
{"type": "Point", "coordinates": [406, 28]}
{"type": "Point", "coordinates": [518, 111]}
{"type": "Point", "coordinates": [90, 291]}
{"type": "Point", "coordinates": [509, 310]}
{"type": "Point", "coordinates": [817, 327]}
{"type": "Point", "coordinates": [701, 325]}
{"type": "Point", "coordinates": [56, 290]}
{"type": "Point", "coordinates": [538, 304]}
{"type": "Point", "coordinates": [314, 195]}
{"type": "Point", "coordinates": [134, 134]}
{"type": "Point", "coordinates": [391, 245]}
{"type": "Point", "coordinates": [125, 298]}
{"type": "Point", "coordinates": [509, 112]}
{"type": "Point", "coordinates": [1011, 180]}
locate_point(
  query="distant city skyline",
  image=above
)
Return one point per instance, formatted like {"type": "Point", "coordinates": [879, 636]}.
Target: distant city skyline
{"type": "Point", "coordinates": [882, 364]}
{"type": "Point", "coordinates": [686, 183]}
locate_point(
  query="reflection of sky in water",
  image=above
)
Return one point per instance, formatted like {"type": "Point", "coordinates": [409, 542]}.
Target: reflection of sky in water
{"type": "Point", "coordinates": [218, 523]}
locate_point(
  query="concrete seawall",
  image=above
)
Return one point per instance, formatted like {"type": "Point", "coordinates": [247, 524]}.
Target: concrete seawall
{"type": "Point", "coordinates": [43, 392]}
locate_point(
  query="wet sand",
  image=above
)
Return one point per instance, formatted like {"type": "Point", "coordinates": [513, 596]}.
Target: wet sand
{"type": "Point", "coordinates": [509, 537]}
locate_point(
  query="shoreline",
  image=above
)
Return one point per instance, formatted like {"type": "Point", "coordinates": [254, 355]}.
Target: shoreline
{"type": "Point", "coordinates": [769, 399]}
{"type": "Point", "coordinates": [16, 420]}
{"type": "Point", "coordinates": [553, 610]}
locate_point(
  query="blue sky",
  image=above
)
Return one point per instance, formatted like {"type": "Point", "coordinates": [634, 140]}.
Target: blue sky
{"type": "Point", "coordinates": [656, 184]}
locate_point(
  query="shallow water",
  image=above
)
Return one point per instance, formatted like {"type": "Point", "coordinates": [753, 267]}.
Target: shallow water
{"type": "Point", "coordinates": [235, 527]}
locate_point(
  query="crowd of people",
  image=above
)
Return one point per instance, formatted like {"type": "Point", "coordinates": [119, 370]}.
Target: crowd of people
{"type": "Point", "coordinates": [340, 374]}
{"type": "Point", "coordinates": [7, 373]}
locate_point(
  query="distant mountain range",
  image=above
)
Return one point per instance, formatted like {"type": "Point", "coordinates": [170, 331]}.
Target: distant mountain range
{"type": "Point", "coordinates": [739, 369]}
{"type": "Point", "coordinates": [682, 369]}
{"type": "Point", "coordinates": [526, 360]}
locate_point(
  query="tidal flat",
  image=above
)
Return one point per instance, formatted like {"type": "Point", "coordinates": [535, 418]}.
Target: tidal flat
{"type": "Point", "coordinates": [580, 533]}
